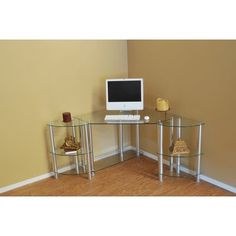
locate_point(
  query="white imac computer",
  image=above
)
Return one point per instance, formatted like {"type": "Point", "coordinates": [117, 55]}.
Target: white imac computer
{"type": "Point", "coordinates": [124, 94]}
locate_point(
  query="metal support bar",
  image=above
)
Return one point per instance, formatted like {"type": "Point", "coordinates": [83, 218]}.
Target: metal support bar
{"type": "Point", "coordinates": [137, 140]}
{"type": "Point", "coordinates": [91, 148]}
{"type": "Point", "coordinates": [179, 137]}
{"type": "Point", "coordinates": [199, 153]}
{"type": "Point", "coordinates": [178, 166]}
{"type": "Point", "coordinates": [171, 160]}
{"type": "Point", "coordinates": [88, 152]}
{"type": "Point", "coordinates": [121, 142]}
{"type": "Point", "coordinates": [161, 153]}
{"type": "Point", "coordinates": [83, 148]}
{"type": "Point", "coordinates": [76, 156]}
{"type": "Point", "coordinates": [53, 149]}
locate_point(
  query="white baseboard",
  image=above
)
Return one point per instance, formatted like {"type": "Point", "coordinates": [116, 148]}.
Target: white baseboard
{"type": "Point", "coordinates": [35, 179]}
{"type": "Point", "coordinates": [111, 153]}
{"type": "Point", "coordinates": [107, 154]}
{"type": "Point", "coordinates": [218, 183]}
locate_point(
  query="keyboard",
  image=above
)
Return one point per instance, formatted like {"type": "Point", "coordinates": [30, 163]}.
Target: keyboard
{"type": "Point", "coordinates": [122, 117]}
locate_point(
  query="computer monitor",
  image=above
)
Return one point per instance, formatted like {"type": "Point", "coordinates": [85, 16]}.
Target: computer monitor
{"type": "Point", "coordinates": [124, 94]}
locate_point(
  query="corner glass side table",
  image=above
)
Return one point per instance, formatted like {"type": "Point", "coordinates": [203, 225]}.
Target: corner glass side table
{"type": "Point", "coordinates": [75, 134]}
{"type": "Point", "coordinates": [179, 138]}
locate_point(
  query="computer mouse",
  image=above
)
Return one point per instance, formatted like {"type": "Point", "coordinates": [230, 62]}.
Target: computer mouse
{"type": "Point", "coordinates": [146, 118]}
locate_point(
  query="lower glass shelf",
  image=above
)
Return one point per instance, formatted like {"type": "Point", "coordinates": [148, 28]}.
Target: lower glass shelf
{"type": "Point", "coordinates": [61, 152]}
{"type": "Point", "coordinates": [113, 160]}
{"type": "Point", "coordinates": [173, 173]}
{"type": "Point", "coordinates": [104, 163]}
{"type": "Point", "coordinates": [181, 155]}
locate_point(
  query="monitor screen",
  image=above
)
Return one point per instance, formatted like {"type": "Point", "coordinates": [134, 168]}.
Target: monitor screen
{"type": "Point", "coordinates": [122, 91]}
{"type": "Point", "coordinates": [124, 94]}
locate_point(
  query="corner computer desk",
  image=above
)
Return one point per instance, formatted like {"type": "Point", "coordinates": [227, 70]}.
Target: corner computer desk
{"type": "Point", "coordinates": [160, 120]}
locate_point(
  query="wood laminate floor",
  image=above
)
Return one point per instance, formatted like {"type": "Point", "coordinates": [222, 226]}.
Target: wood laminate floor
{"type": "Point", "coordinates": [136, 177]}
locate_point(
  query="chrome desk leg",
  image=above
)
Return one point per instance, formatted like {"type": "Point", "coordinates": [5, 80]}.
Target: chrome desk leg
{"type": "Point", "coordinates": [171, 161]}
{"type": "Point", "coordinates": [199, 153]}
{"type": "Point", "coordinates": [160, 159]}
{"type": "Point", "coordinates": [178, 166]}
{"type": "Point", "coordinates": [121, 142]}
{"type": "Point", "coordinates": [77, 164]}
{"type": "Point", "coordinates": [83, 147]}
{"type": "Point", "coordinates": [53, 147]}
{"type": "Point", "coordinates": [137, 141]}
{"type": "Point", "coordinates": [76, 157]}
{"type": "Point", "coordinates": [178, 136]}
{"type": "Point", "coordinates": [88, 151]}
{"type": "Point", "coordinates": [91, 148]}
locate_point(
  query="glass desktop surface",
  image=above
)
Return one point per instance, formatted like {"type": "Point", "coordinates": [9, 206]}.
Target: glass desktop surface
{"type": "Point", "coordinates": [98, 117]}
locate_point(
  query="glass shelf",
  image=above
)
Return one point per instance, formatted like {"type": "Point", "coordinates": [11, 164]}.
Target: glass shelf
{"type": "Point", "coordinates": [189, 155]}
{"type": "Point", "coordinates": [179, 121]}
{"type": "Point", "coordinates": [74, 123]}
{"type": "Point", "coordinates": [61, 152]}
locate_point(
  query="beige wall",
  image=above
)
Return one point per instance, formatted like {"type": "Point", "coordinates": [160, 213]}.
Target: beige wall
{"type": "Point", "coordinates": [199, 79]}
{"type": "Point", "coordinates": [39, 81]}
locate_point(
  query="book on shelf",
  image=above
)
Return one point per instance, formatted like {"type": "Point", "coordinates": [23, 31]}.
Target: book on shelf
{"type": "Point", "coordinates": [70, 152]}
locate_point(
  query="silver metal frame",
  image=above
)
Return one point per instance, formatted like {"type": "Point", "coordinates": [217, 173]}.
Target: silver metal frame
{"type": "Point", "coordinates": [83, 148]}
{"type": "Point", "coordinates": [160, 159]}
{"type": "Point", "coordinates": [137, 140]}
{"type": "Point", "coordinates": [199, 153]}
{"type": "Point", "coordinates": [121, 131]}
{"type": "Point", "coordinates": [179, 137]}
{"type": "Point", "coordinates": [171, 160]}
{"type": "Point", "coordinates": [53, 150]}
{"type": "Point", "coordinates": [88, 151]}
{"type": "Point", "coordinates": [76, 156]}
{"type": "Point", "coordinates": [91, 148]}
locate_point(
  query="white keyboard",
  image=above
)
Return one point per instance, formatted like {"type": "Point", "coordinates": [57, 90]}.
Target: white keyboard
{"type": "Point", "coordinates": [122, 117]}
